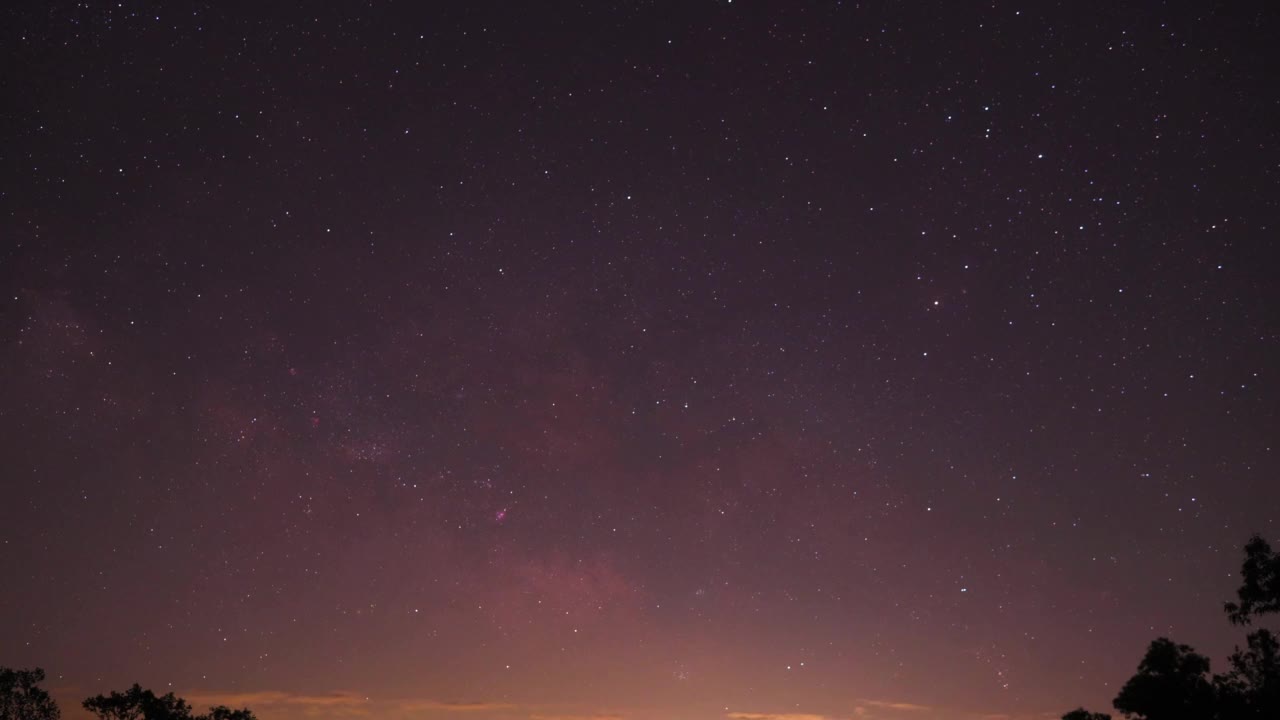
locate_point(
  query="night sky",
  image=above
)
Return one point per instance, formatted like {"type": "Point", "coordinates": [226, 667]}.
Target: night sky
{"type": "Point", "coordinates": [696, 360]}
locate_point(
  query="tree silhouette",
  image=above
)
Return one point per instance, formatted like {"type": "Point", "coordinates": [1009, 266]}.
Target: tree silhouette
{"type": "Point", "coordinates": [222, 712]}
{"type": "Point", "coordinates": [1259, 591]}
{"type": "Point", "coordinates": [1172, 681]}
{"type": "Point", "coordinates": [1252, 689]}
{"type": "Point", "coordinates": [1171, 684]}
{"type": "Point", "coordinates": [139, 704]}
{"type": "Point", "coordinates": [22, 699]}
{"type": "Point", "coordinates": [1082, 714]}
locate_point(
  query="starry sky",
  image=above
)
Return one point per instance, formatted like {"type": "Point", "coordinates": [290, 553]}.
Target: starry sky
{"type": "Point", "coordinates": [696, 360]}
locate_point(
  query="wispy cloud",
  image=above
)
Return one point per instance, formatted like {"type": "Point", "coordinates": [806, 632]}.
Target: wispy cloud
{"type": "Point", "coordinates": [452, 706]}
{"type": "Point", "coordinates": [334, 703]}
{"type": "Point", "coordinates": [890, 705]}
{"type": "Point", "coordinates": [344, 703]}
{"type": "Point", "coordinates": [775, 716]}
{"type": "Point", "coordinates": [864, 709]}
{"type": "Point", "coordinates": [595, 716]}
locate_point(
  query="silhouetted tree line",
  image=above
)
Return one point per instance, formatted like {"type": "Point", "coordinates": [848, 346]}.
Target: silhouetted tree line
{"type": "Point", "coordinates": [1173, 681]}
{"type": "Point", "coordinates": [22, 699]}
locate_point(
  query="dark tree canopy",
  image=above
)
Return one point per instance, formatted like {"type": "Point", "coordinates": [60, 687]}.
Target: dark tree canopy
{"type": "Point", "coordinates": [1251, 691]}
{"type": "Point", "coordinates": [1171, 684]}
{"type": "Point", "coordinates": [1082, 714]}
{"type": "Point", "coordinates": [139, 704]}
{"type": "Point", "coordinates": [1259, 591]}
{"type": "Point", "coordinates": [21, 698]}
{"type": "Point", "coordinates": [222, 712]}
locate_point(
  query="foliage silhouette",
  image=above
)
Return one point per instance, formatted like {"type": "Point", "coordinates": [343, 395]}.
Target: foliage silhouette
{"type": "Point", "coordinates": [21, 698]}
{"type": "Point", "coordinates": [1173, 681]}
{"type": "Point", "coordinates": [139, 704]}
{"type": "Point", "coordinates": [1259, 591]}
{"type": "Point", "coordinates": [222, 712]}
{"type": "Point", "coordinates": [1082, 714]}
{"type": "Point", "coordinates": [1171, 684]}
{"type": "Point", "coordinates": [1252, 689]}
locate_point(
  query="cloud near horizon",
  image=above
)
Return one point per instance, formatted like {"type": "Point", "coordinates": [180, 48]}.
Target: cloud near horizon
{"type": "Point", "coordinates": [888, 705]}
{"type": "Point", "coordinates": [342, 703]}
{"type": "Point", "coordinates": [452, 706]}
{"type": "Point", "coordinates": [275, 697]}
{"type": "Point", "coordinates": [860, 711]}
{"type": "Point", "coordinates": [595, 716]}
{"type": "Point", "coordinates": [776, 716]}
{"type": "Point", "coordinates": [348, 703]}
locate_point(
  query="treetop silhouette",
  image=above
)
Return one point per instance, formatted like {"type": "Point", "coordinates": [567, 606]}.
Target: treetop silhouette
{"type": "Point", "coordinates": [139, 704]}
{"type": "Point", "coordinates": [21, 698]}
{"type": "Point", "coordinates": [1172, 684]}
{"type": "Point", "coordinates": [1082, 714]}
{"type": "Point", "coordinates": [1259, 591]}
{"type": "Point", "coordinates": [1173, 681]}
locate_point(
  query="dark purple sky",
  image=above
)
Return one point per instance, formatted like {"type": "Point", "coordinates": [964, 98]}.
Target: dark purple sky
{"type": "Point", "coordinates": [693, 360]}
